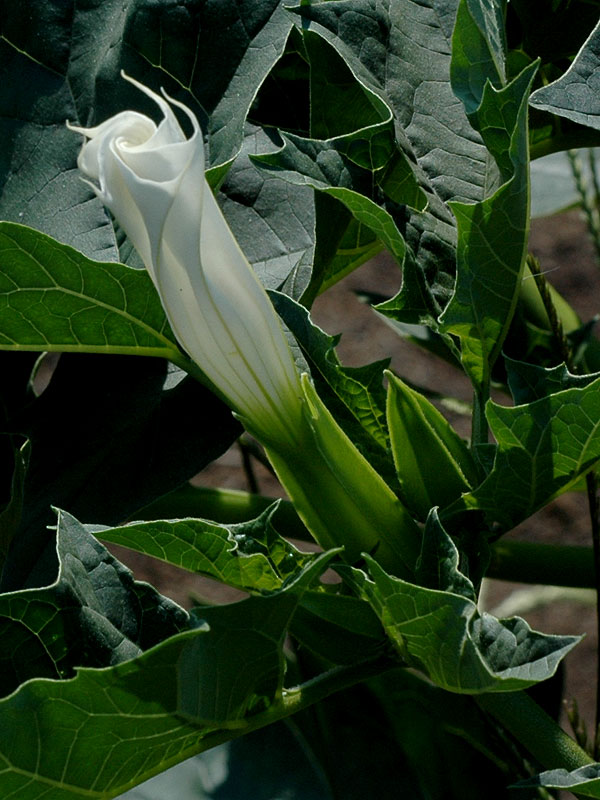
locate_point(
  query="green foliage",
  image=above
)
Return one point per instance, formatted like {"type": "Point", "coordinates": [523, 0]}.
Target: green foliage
{"type": "Point", "coordinates": [423, 443]}
{"type": "Point", "coordinates": [172, 696]}
{"type": "Point", "coordinates": [249, 556]}
{"type": "Point", "coordinates": [53, 298]}
{"type": "Point", "coordinates": [429, 627]}
{"type": "Point", "coordinates": [489, 262]}
{"type": "Point", "coordinates": [585, 780]}
{"type": "Point", "coordinates": [544, 446]}
{"type": "Point", "coordinates": [333, 129]}
{"type": "Point", "coordinates": [573, 95]}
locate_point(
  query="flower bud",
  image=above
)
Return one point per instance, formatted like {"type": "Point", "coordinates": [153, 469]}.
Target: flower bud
{"type": "Point", "coordinates": [152, 180]}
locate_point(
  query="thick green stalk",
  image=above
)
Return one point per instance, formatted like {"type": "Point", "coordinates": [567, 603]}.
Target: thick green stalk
{"type": "Point", "coordinates": [338, 495]}
{"type": "Point", "coordinates": [529, 724]}
{"type": "Point", "coordinates": [559, 142]}
{"type": "Point", "coordinates": [555, 565]}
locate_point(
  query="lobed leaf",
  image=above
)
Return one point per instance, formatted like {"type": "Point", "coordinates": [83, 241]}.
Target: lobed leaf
{"type": "Point", "coordinates": [93, 614]}
{"type": "Point", "coordinates": [249, 556]}
{"type": "Point", "coordinates": [478, 51]}
{"type": "Point", "coordinates": [105, 730]}
{"type": "Point", "coordinates": [62, 63]}
{"type": "Point", "coordinates": [458, 648]}
{"type": "Point", "coordinates": [530, 382]}
{"type": "Point", "coordinates": [543, 448]}
{"type": "Point", "coordinates": [323, 165]}
{"type": "Point", "coordinates": [438, 566]}
{"type": "Point", "coordinates": [583, 781]}
{"type": "Point", "coordinates": [574, 95]}
{"type": "Point", "coordinates": [272, 221]}
{"type": "Point", "coordinates": [492, 234]}
{"type": "Point", "coordinates": [406, 62]}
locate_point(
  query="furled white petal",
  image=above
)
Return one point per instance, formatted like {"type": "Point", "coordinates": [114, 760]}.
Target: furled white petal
{"type": "Point", "coordinates": [229, 326]}
{"type": "Point", "coordinates": [152, 179]}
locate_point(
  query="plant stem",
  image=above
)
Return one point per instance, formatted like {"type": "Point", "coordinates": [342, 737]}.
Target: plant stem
{"type": "Point", "coordinates": [565, 141]}
{"type": "Point", "coordinates": [589, 209]}
{"type": "Point", "coordinates": [479, 427]}
{"type": "Point", "coordinates": [248, 466]}
{"type": "Point", "coordinates": [227, 506]}
{"type": "Point", "coordinates": [305, 695]}
{"type": "Point", "coordinates": [530, 562]}
{"type": "Point", "coordinates": [480, 433]}
{"type": "Point", "coordinates": [534, 729]}
{"type": "Point", "coordinates": [594, 508]}
{"type": "Point", "coordinates": [594, 174]}
{"type": "Point", "coordinates": [556, 326]}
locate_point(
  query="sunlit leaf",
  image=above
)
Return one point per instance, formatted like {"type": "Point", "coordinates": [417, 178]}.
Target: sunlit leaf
{"type": "Point", "coordinates": [430, 627]}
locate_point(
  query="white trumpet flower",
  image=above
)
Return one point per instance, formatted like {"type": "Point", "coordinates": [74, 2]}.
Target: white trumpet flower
{"type": "Point", "coordinates": [152, 180]}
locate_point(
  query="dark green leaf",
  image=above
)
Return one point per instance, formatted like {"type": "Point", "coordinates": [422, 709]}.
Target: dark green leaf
{"type": "Point", "coordinates": [490, 262]}
{"type": "Point", "coordinates": [575, 95]}
{"type": "Point", "coordinates": [324, 166]}
{"type": "Point", "coordinates": [250, 555]}
{"type": "Point", "coordinates": [438, 564]}
{"type": "Point", "coordinates": [478, 51]}
{"type": "Point", "coordinates": [355, 395]}
{"type": "Point", "coordinates": [583, 781]}
{"type": "Point", "coordinates": [272, 221]}
{"type": "Point", "coordinates": [40, 186]}
{"type": "Point", "coordinates": [105, 730]}
{"type": "Point", "coordinates": [93, 614]}
{"type": "Point", "coordinates": [530, 382]}
{"type": "Point", "coordinates": [54, 298]}
{"type": "Point", "coordinates": [407, 64]}
{"type": "Point", "coordinates": [430, 627]}
{"type": "Point", "coordinates": [342, 244]}
{"type": "Point", "coordinates": [543, 448]}
{"type": "Point", "coordinates": [62, 63]}
{"type": "Point", "coordinates": [337, 99]}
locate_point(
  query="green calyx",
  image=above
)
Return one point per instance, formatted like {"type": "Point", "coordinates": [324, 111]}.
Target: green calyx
{"type": "Point", "coordinates": [342, 500]}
